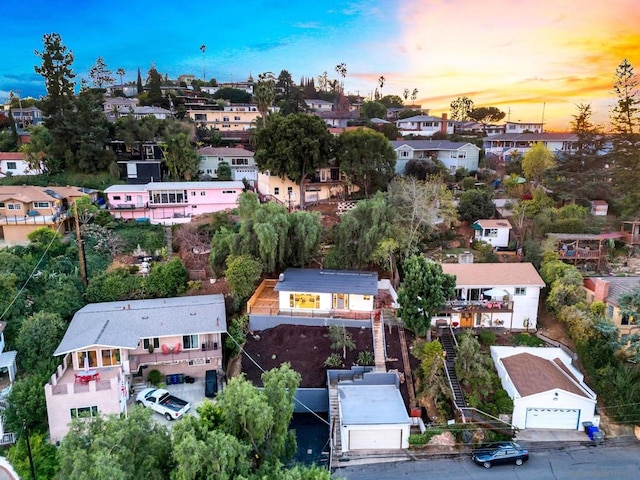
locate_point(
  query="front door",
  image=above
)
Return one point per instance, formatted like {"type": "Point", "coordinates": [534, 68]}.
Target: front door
{"type": "Point", "coordinates": [466, 320]}
{"type": "Point", "coordinates": [340, 301]}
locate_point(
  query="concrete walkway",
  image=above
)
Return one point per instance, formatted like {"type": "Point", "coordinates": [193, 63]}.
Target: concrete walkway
{"type": "Point", "coordinates": [544, 435]}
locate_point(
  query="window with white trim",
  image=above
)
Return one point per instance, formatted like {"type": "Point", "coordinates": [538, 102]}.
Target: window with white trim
{"type": "Point", "coordinates": [12, 166]}
{"type": "Point", "coordinates": [147, 342]}
{"type": "Point", "coordinates": [40, 204]}
{"type": "Point", "coordinates": [84, 412]}
{"type": "Point", "coordinates": [276, 191]}
{"type": "Point", "coordinates": [14, 206]}
{"type": "Point", "coordinates": [190, 342]}
{"type": "Point", "coordinates": [520, 291]}
{"type": "Point", "coordinates": [491, 232]}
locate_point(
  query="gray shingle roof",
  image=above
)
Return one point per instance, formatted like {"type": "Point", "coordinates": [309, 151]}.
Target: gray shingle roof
{"type": "Point", "coordinates": [619, 286]}
{"type": "Point", "coordinates": [123, 324]}
{"type": "Point", "coordinates": [311, 280]}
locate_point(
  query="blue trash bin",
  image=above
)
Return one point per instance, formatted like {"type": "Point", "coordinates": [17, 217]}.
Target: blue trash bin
{"type": "Point", "coordinates": [168, 380]}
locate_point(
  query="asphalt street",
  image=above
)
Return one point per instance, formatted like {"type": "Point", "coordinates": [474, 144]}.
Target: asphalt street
{"type": "Point", "coordinates": [588, 463]}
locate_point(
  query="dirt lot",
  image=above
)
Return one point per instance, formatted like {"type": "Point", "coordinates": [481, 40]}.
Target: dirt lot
{"type": "Point", "coordinates": [305, 348]}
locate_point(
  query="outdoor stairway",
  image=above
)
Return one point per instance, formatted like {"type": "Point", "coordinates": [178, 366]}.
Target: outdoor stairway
{"type": "Point", "coordinates": [446, 339]}
{"type": "Point", "coordinates": [378, 343]}
{"type": "Point", "coordinates": [334, 417]}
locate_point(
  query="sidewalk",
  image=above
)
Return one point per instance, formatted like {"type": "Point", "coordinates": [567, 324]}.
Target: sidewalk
{"type": "Point", "coordinates": [544, 435]}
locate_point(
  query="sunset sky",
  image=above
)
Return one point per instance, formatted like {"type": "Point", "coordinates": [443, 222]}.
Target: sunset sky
{"type": "Point", "coordinates": [535, 60]}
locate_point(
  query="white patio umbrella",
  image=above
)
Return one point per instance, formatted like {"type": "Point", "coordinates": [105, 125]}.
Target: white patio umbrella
{"type": "Point", "coordinates": [86, 361]}
{"type": "Point", "coordinates": [495, 292]}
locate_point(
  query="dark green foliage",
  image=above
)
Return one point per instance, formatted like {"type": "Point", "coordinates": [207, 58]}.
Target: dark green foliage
{"type": "Point", "coordinates": [234, 95]}
{"type": "Point", "coordinates": [149, 237]}
{"type": "Point", "coordinates": [134, 446]}
{"type": "Point", "coordinates": [224, 171]}
{"type": "Point", "coordinates": [527, 340]}
{"type": "Point", "coordinates": [167, 279]}
{"type": "Point", "coordinates": [44, 454]}
{"type": "Point", "coordinates": [115, 285]}
{"type": "Point", "coordinates": [424, 438]}
{"type": "Point", "coordinates": [155, 377]}
{"type": "Point", "coordinates": [371, 109]}
{"type": "Point", "coordinates": [26, 401]}
{"type": "Point", "coordinates": [237, 329]}
{"type": "Point", "coordinates": [423, 169]}
{"type": "Point", "coordinates": [476, 204]}
{"type": "Point", "coordinates": [487, 338]}
{"type": "Point", "coordinates": [533, 253]}
{"type": "Point", "coordinates": [243, 273]}
{"type": "Point", "coordinates": [365, 358]}
{"type": "Point", "coordinates": [38, 338]}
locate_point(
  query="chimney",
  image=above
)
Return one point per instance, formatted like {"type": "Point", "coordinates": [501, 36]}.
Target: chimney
{"type": "Point", "coordinates": [443, 125]}
{"type": "Point", "coordinates": [600, 290]}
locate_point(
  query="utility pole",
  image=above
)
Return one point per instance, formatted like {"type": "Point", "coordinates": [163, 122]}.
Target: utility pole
{"type": "Point", "coordinates": [26, 437]}
{"type": "Point", "coordinates": [81, 262]}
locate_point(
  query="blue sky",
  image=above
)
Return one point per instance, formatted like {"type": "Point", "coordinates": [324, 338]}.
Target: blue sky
{"type": "Point", "coordinates": [535, 59]}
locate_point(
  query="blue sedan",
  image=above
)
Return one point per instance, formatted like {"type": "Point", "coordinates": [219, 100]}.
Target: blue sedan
{"type": "Point", "coordinates": [507, 452]}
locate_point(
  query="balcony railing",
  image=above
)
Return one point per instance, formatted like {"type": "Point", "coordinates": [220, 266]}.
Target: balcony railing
{"type": "Point", "coordinates": [126, 206]}
{"type": "Point", "coordinates": [33, 219]}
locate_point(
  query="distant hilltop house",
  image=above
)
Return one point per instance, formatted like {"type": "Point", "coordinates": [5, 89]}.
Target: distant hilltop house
{"type": "Point", "coordinates": [241, 162]}
{"type": "Point", "coordinates": [28, 116]}
{"type": "Point", "coordinates": [244, 86]}
{"type": "Point", "coordinates": [453, 155]}
{"type": "Point", "coordinates": [139, 162]}
{"type": "Point", "coordinates": [230, 118]}
{"type": "Point", "coordinates": [425, 125]}
{"type": "Point", "coordinates": [494, 232]}
{"type": "Point", "coordinates": [171, 203]}
{"type": "Point", "coordinates": [15, 163]}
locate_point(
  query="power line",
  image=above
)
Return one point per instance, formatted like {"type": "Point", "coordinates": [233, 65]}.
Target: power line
{"type": "Point", "coordinates": [53, 237]}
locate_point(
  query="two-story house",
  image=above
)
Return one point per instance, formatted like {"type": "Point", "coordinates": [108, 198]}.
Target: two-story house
{"type": "Point", "coordinates": [494, 232]}
{"type": "Point", "coordinates": [27, 116]}
{"type": "Point", "coordinates": [508, 145]}
{"type": "Point", "coordinates": [523, 127]}
{"type": "Point", "coordinates": [425, 125]}
{"type": "Point", "coordinates": [25, 208]}
{"type": "Point", "coordinates": [139, 162]}
{"type": "Point", "coordinates": [241, 162]}
{"type": "Point", "coordinates": [171, 202]}
{"type": "Point", "coordinates": [230, 118]}
{"type": "Point", "coordinates": [318, 105]}
{"type": "Point", "coordinates": [107, 344]}
{"type": "Point", "coordinates": [492, 295]}
{"type": "Point", "coordinates": [453, 155]}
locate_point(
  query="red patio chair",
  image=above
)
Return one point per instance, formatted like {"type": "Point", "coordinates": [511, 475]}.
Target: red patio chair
{"type": "Point", "coordinates": [176, 349]}
{"type": "Point", "coordinates": [165, 349]}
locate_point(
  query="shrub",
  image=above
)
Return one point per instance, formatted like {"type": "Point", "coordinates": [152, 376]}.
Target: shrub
{"type": "Point", "coordinates": [237, 332]}
{"type": "Point", "coordinates": [487, 338]}
{"type": "Point", "coordinates": [333, 361]}
{"type": "Point", "coordinates": [365, 358]}
{"type": "Point", "coordinates": [155, 377]}
{"type": "Point", "coordinates": [423, 438]}
{"type": "Point", "coordinates": [527, 340]}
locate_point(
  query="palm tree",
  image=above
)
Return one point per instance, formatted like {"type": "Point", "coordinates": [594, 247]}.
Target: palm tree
{"type": "Point", "coordinates": [120, 72]}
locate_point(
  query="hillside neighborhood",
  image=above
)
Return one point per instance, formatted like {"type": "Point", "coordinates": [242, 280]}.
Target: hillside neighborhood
{"type": "Point", "coordinates": [317, 279]}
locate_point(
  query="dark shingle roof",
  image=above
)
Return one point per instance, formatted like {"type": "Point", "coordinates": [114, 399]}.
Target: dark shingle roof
{"type": "Point", "coordinates": [310, 280]}
{"type": "Point", "coordinates": [123, 324]}
{"type": "Point", "coordinates": [619, 286]}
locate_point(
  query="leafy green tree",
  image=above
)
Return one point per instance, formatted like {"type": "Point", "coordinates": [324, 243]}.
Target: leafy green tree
{"type": "Point", "coordinates": [233, 95]}
{"type": "Point", "coordinates": [221, 247]}
{"type": "Point", "coordinates": [27, 402]}
{"type": "Point", "coordinates": [224, 171]}
{"type": "Point", "coordinates": [474, 369]}
{"type": "Point", "coordinates": [538, 159]}
{"type": "Point", "coordinates": [90, 130]}
{"type": "Point", "coordinates": [57, 106]}
{"type": "Point", "coordinates": [423, 292]}
{"type": "Point", "coordinates": [293, 146]}
{"type": "Point", "coordinates": [476, 204]}
{"type": "Point", "coordinates": [243, 274]}
{"type": "Point", "coordinates": [57, 293]}
{"type": "Point", "coordinates": [629, 304]}
{"type": "Point", "coordinates": [168, 279]}
{"type": "Point", "coordinates": [305, 230]}
{"type": "Point", "coordinates": [341, 339]}
{"type": "Point", "coordinates": [43, 453]}
{"type": "Point", "coordinates": [203, 453]}
{"type": "Point", "coordinates": [134, 446]}
{"type": "Point", "coordinates": [390, 101]}
{"type": "Point", "coordinates": [36, 151]}
{"type": "Point", "coordinates": [370, 109]}
{"type": "Point", "coordinates": [153, 94]}
{"type": "Point", "coordinates": [423, 169]}
{"type": "Point", "coordinates": [86, 209]}
{"type": "Point", "coordinates": [100, 75]}
{"type": "Point", "coordinates": [366, 157]}
{"type": "Point", "coordinates": [486, 115]}
{"type": "Point", "coordinates": [237, 330]}
{"type": "Point", "coordinates": [461, 108]}
{"type": "Point", "coordinates": [38, 338]}
{"type": "Point", "coordinates": [181, 157]}
{"type": "Point", "coordinates": [45, 239]}
{"type": "Point", "coordinates": [261, 418]}
{"type": "Point", "coordinates": [111, 286]}
{"type": "Point", "coordinates": [566, 290]}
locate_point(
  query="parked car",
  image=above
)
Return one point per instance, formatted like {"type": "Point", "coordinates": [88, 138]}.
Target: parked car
{"type": "Point", "coordinates": [210, 383]}
{"type": "Point", "coordinates": [504, 452]}
{"type": "Point", "coordinates": [163, 402]}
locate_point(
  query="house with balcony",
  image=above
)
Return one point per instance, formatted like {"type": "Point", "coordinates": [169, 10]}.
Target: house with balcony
{"type": "Point", "coordinates": [307, 293]}
{"type": "Point", "coordinates": [139, 162]}
{"type": "Point", "coordinates": [508, 145]}
{"type": "Point", "coordinates": [453, 155]}
{"type": "Point", "coordinates": [171, 203]}
{"type": "Point", "coordinates": [324, 184]}
{"type": "Point", "coordinates": [241, 162]}
{"type": "Point", "coordinates": [523, 127]}
{"type": "Point", "coordinates": [494, 232]}
{"type": "Point", "coordinates": [27, 116]}
{"type": "Point", "coordinates": [230, 118]}
{"type": "Point", "coordinates": [108, 344]}
{"type": "Point", "coordinates": [493, 295]}
{"type": "Point", "coordinates": [25, 208]}
{"type": "Point", "coordinates": [425, 125]}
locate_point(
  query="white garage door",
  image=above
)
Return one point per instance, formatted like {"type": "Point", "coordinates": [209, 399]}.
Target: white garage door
{"type": "Point", "coordinates": [375, 439]}
{"type": "Point", "coordinates": [556, 418]}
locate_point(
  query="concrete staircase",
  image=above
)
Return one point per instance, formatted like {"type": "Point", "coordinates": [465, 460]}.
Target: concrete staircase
{"type": "Point", "coordinates": [378, 343]}
{"type": "Point", "coordinates": [446, 339]}
{"type": "Point", "coordinates": [334, 418]}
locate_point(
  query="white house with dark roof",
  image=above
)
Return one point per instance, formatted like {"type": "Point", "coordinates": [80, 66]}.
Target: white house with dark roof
{"type": "Point", "coordinates": [508, 145]}
{"type": "Point", "coordinates": [494, 232]}
{"type": "Point", "coordinates": [546, 389]}
{"type": "Point", "coordinates": [425, 125]}
{"type": "Point", "coordinates": [453, 155]}
{"type": "Point", "coordinates": [106, 344]}
{"type": "Point", "coordinates": [493, 295]}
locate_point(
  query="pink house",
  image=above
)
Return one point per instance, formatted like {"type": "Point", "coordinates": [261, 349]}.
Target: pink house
{"type": "Point", "coordinates": [112, 345]}
{"type": "Point", "coordinates": [171, 202]}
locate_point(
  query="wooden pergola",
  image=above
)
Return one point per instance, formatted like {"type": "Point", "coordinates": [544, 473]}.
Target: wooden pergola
{"type": "Point", "coordinates": [582, 247]}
